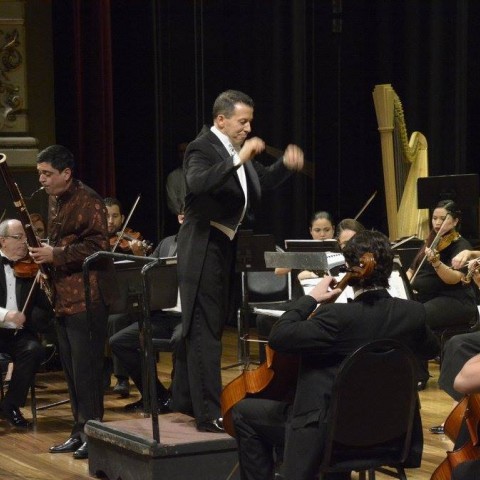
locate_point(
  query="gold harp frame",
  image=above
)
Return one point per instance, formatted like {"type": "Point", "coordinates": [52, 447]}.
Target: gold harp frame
{"type": "Point", "coordinates": [403, 215]}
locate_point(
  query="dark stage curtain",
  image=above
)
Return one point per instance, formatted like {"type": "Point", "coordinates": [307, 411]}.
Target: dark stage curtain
{"type": "Point", "coordinates": [310, 66]}
{"type": "Point", "coordinates": [83, 93]}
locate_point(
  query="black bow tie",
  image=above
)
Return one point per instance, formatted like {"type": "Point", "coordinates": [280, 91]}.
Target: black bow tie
{"type": "Point", "coordinates": [7, 261]}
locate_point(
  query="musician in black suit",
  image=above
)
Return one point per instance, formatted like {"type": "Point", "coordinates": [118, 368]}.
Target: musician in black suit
{"type": "Point", "coordinates": [323, 342]}
{"type": "Point", "coordinates": [166, 324]}
{"type": "Point", "coordinates": [222, 184]}
{"type": "Point", "coordinates": [467, 382]}
{"type": "Point", "coordinates": [17, 335]}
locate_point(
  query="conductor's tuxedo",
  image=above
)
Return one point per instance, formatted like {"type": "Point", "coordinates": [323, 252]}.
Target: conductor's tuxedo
{"type": "Point", "coordinates": [206, 261]}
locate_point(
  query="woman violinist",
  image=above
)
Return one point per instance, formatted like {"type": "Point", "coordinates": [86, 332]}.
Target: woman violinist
{"type": "Point", "coordinates": [448, 302]}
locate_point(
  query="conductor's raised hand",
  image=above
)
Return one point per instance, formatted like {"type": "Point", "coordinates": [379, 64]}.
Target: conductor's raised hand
{"type": "Point", "coordinates": [293, 158]}
{"type": "Point", "coordinates": [251, 147]}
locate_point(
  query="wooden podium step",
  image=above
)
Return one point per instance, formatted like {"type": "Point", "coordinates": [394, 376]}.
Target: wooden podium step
{"type": "Point", "coordinates": [126, 450]}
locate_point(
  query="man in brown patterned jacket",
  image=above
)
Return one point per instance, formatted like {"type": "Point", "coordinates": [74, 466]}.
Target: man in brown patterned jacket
{"type": "Point", "coordinates": [77, 227]}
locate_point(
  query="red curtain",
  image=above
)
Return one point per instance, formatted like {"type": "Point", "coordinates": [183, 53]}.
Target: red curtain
{"type": "Point", "coordinates": [86, 67]}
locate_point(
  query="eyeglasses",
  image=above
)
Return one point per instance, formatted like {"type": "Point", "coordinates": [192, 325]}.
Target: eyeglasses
{"type": "Point", "coordinates": [17, 236]}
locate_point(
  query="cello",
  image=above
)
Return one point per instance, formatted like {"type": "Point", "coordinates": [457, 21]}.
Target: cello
{"type": "Point", "coordinates": [277, 376]}
{"type": "Point", "coordinates": [468, 411]}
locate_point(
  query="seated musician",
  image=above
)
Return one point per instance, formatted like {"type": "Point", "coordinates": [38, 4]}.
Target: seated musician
{"type": "Point", "coordinates": [116, 322]}
{"type": "Point", "coordinates": [436, 284]}
{"type": "Point", "coordinates": [115, 219]}
{"type": "Point", "coordinates": [17, 328]}
{"type": "Point", "coordinates": [321, 225]}
{"type": "Point", "coordinates": [467, 382]}
{"type": "Point", "coordinates": [346, 229]}
{"type": "Point", "coordinates": [166, 324]}
{"type": "Point", "coordinates": [334, 332]}
{"type": "Point", "coordinates": [460, 348]}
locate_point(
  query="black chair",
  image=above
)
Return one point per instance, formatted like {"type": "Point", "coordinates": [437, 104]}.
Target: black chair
{"type": "Point", "coordinates": [259, 289]}
{"type": "Point", "coordinates": [372, 410]}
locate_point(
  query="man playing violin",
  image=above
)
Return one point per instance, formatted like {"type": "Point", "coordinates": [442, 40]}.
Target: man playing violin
{"type": "Point", "coordinates": [17, 333]}
{"type": "Point", "coordinates": [115, 218]}
{"type": "Point", "coordinates": [323, 341]}
{"type": "Point", "coordinates": [119, 321]}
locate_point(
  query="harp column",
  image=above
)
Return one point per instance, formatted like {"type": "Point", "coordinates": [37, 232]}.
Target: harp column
{"type": "Point", "coordinates": [383, 98]}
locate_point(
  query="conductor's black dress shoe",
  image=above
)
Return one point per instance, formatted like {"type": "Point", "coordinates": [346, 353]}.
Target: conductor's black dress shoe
{"type": "Point", "coordinates": [215, 426]}
{"type": "Point", "coordinates": [82, 452]}
{"type": "Point", "coordinates": [72, 444]}
{"type": "Point", "coordinates": [164, 406]}
{"type": "Point", "coordinates": [14, 417]}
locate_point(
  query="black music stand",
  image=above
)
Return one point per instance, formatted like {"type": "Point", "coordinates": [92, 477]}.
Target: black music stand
{"type": "Point", "coordinates": [462, 189]}
{"type": "Point", "coordinates": [160, 291]}
{"type": "Point", "coordinates": [129, 276]}
{"type": "Point", "coordinates": [250, 258]}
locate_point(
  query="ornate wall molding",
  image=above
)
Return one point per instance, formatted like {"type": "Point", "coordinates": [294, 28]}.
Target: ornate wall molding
{"type": "Point", "coordinates": [13, 97]}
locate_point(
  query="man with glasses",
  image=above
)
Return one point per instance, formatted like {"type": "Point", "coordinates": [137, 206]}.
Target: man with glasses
{"type": "Point", "coordinates": [17, 321]}
{"type": "Point", "coordinates": [77, 228]}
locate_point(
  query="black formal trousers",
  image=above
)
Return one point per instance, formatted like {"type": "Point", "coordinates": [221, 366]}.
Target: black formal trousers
{"type": "Point", "coordinates": [27, 354]}
{"type": "Point", "coordinates": [199, 358]}
{"type": "Point", "coordinates": [262, 428]}
{"type": "Point", "coordinates": [116, 323]}
{"type": "Point", "coordinates": [125, 345]}
{"type": "Point", "coordinates": [458, 350]}
{"type": "Point", "coordinates": [81, 347]}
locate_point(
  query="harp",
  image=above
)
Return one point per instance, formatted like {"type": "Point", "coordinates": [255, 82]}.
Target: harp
{"type": "Point", "coordinates": [404, 161]}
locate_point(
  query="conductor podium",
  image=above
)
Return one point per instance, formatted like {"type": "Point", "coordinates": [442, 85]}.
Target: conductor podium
{"type": "Point", "coordinates": [153, 447]}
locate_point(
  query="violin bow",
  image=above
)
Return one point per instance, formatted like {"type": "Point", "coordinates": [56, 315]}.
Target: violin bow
{"type": "Point", "coordinates": [367, 203]}
{"type": "Point", "coordinates": [122, 231]}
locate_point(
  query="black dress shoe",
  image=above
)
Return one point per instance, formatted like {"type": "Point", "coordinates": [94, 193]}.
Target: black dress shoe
{"type": "Point", "coordinates": [72, 444]}
{"type": "Point", "coordinates": [14, 417]}
{"type": "Point", "coordinates": [122, 387]}
{"type": "Point", "coordinates": [164, 406]}
{"type": "Point", "coordinates": [215, 426]}
{"type": "Point", "coordinates": [421, 385]}
{"type": "Point", "coordinates": [437, 430]}
{"type": "Point", "coordinates": [82, 452]}
{"type": "Point", "coordinates": [134, 406]}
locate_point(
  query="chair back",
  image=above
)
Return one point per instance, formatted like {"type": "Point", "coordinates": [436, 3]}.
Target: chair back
{"type": "Point", "coordinates": [372, 408]}
{"type": "Point", "coordinates": [266, 287]}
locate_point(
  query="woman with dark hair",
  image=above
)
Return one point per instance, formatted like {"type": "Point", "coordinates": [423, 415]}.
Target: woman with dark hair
{"type": "Point", "coordinates": [346, 229]}
{"type": "Point", "coordinates": [437, 285]}
{"type": "Point", "coordinates": [448, 302]}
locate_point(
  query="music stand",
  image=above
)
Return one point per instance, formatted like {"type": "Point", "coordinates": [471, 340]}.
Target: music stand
{"type": "Point", "coordinates": [160, 291]}
{"type": "Point", "coordinates": [130, 282]}
{"type": "Point", "coordinates": [329, 245]}
{"type": "Point", "coordinates": [250, 258]}
{"type": "Point", "coordinates": [462, 189]}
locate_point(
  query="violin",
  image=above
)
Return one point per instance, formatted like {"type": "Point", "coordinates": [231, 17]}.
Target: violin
{"type": "Point", "coordinates": [468, 411]}
{"type": "Point", "coordinates": [127, 236]}
{"type": "Point", "coordinates": [277, 376]}
{"type": "Point", "coordinates": [25, 268]}
{"type": "Point", "coordinates": [442, 242]}
{"type": "Point", "coordinates": [473, 269]}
